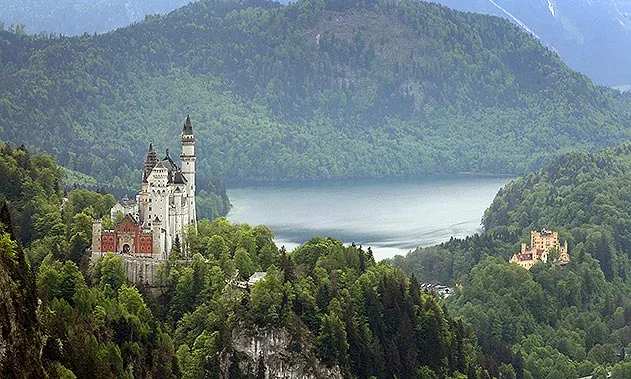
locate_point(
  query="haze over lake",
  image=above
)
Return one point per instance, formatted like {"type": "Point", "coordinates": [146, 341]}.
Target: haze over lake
{"type": "Point", "coordinates": [392, 216]}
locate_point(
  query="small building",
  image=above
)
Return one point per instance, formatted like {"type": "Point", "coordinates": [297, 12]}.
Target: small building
{"type": "Point", "coordinates": [541, 244]}
{"type": "Point", "coordinates": [439, 289]}
{"type": "Point", "coordinates": [256, 277]}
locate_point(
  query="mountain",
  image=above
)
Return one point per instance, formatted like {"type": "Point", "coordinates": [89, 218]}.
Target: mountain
{"type": "Point", "coordinates": [592, 36]}
{"type": "Point", "coordinates": [585, 194]}
{"type": "Point", "coordinates": [75, 17]}
{"type": "Point", "coordinates": [309, 90]}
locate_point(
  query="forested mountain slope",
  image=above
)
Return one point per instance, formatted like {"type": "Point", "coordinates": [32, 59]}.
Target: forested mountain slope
{"type": "Point", "coordinates": [587, 196]}
{"type": "Point", "coordinates": [592, 36]}
{"type": "Point", "coordinates": [74, 17]}
{"type": "Point", "coordinates": [565, 321]}
{"type": "Point", "coordinates": [308, 90]}
{"type": "Point", "coordinates": [20, 336]}
{"type": "Point", "coordinates": [331, 308]}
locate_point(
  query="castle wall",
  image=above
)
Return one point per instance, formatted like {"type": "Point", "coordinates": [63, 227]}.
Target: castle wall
{"type": "Point", "coordinates": [141, 270]}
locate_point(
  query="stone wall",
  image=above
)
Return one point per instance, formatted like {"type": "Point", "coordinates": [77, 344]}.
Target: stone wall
{"type": "Point", "coordinates": [141, 270]}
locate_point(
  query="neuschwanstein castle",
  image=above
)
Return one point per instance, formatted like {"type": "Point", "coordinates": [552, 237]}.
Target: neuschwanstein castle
{"type": "Point", "coordinates": [164, 206]}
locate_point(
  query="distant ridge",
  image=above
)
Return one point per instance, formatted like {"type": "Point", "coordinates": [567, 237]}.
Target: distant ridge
{"type": "Point", "coordinates": [593, 37]}
{"type": "Point", "coordinates": [75, 17]}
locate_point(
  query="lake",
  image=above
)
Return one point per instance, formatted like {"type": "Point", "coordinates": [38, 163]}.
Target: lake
{"type": "Point", "coordinates": [393, 216]}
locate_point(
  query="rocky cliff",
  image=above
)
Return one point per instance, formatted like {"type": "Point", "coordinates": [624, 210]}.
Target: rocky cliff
{"type": "Point", "coordinates": [275, 353]}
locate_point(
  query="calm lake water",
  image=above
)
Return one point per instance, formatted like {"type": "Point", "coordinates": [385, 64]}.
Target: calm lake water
{"type": "Point", "coordinates": [392, 216]}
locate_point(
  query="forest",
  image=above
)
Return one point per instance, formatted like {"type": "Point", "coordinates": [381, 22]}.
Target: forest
{"type": "Point", "coordinates": [310, 90]}
{"type": "Point", "coordinates": [340, 310]}
{"type": "Point", "coordinates": [334, 304]}
{"type": "Point", "coordinates": [563, 321]}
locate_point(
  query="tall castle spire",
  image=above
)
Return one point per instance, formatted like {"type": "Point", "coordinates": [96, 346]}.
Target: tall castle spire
{"type": "Point", "coordinates": [188, 128]}
{"type": "Point", "coordinates": [188, 168]}
{"type": "Point", "coordinates": [150, 161]}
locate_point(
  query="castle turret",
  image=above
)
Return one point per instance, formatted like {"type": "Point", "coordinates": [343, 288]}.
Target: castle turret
{"type": "Point", "coordinates": [157, 237]}
{"type": "Point", "coordinates": [143, 200]}
{"type": "Point", "coordinates": [97, 228]}
{"type": "Point", "coordinates": [150, 162]}
{"type": "Point", "coordinates": [188, 169]}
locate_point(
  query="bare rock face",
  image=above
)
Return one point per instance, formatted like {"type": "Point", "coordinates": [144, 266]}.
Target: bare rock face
{"type": "Point", "coordinates": [274, 353]}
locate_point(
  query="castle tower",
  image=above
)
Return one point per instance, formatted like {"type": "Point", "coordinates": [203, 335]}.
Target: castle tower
{"type": "Point", "coordinates": [97, 227]}
{"type": "Point", "coordinates": [188, 169]}
{"type": "Point", "coordinates": [158, 240]}
{"type": "Point", "coordinates": [150, 162]}
{"type": "Point", "coordinates": [144, 203]}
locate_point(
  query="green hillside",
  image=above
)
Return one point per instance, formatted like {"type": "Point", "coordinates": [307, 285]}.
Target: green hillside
{"type": "Point", "coordinates": [564, 321]}
{"type": "Point", "coordinates": [310, 90]}
{"type": "Point", "coordinates": [586, 196]}
{"type": "Point", "coordinates": [331, 307]}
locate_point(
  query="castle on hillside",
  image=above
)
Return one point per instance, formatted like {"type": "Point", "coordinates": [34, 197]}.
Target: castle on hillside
{"type": "Point", "coordinates": [541, 243]}
{"type": "Point", "coordinates": [162, 209]}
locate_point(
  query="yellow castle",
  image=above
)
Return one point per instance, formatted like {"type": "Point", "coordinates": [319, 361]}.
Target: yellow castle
{"type": "Point", "coordinates": [540, 245]}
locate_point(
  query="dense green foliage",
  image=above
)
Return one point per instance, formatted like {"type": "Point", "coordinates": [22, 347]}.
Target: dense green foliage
{"type": "Point", "coordinates": [334, 301]}
{"type": "Point", "coordinates": [213, 201]}
{"type": "Point", "coordinates": [314, 89]}
{"type": "Point", "coordinates": [337, 308]}
{"type": "Point", "coordinates": [20, 336]}
{"type": "Point", "coordinates": [564, 321]}
{"type": "Point", "coordinates": [31, 185]}
{"type": "Point", "coordinates": [585, 196]}
{"type": "Point", "coordinates": [101, 331]}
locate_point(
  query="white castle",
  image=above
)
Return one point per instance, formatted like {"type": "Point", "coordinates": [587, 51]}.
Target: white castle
{"type": "Point", "coordinates": [163, 208]}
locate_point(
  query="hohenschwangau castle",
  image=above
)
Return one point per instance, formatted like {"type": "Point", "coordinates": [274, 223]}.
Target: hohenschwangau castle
{"type": "Point", "coordinates": [162, 209]}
